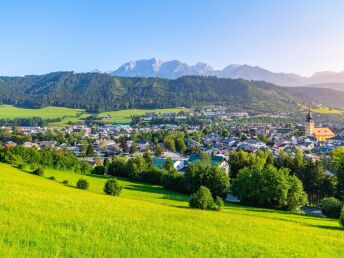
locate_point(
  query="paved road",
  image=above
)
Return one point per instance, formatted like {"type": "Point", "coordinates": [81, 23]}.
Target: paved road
{"type": "Point", "coordinates": [312, 211]}
{"type": "Point", "coordinates": [306, 209]}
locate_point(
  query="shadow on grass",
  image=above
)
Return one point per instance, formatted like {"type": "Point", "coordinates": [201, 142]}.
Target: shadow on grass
{"type": "Point", "coordinates": [167, 195]}
{"type": "Point", "coordinates": [96, 176]}
{"type": "Point", "coordinates": [329, 227]}
{"type": "Point", "coordinates": [244, 207]}
{"type": "Point", "coordinates": [297, 217]}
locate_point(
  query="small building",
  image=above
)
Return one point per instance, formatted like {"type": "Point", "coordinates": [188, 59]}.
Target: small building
{"type": "Point", "coordinates": [178, 165]}
{"type": "Point", "coordinates": [10, 144]}
{"type": "Point", "coordinates": [142, 144]}
{"type": "Point", "coordinates": [215, 160]}
{"type": "Point", "coordinates": [323, 134]}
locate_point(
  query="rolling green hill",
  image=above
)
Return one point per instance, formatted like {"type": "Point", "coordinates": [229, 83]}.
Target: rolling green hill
{"type": "Point", "coordinates": [101, 92]}
{"type": "Point", "coordinates": [97, 92]}
{"type": "Point", "coordinates": [43, 218]}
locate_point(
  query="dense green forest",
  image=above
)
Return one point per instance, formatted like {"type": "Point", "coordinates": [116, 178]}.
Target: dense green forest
{"type": "Point", "coordinates": [99, 92]}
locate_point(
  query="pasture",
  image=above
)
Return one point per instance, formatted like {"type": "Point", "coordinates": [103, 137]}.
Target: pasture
{"type": "Point", "coordinates": [44, 218]}
{"type": "Point", "coordinates": [70, 115]}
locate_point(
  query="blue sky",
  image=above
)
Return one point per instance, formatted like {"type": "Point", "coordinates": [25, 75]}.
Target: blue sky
{"type": "Point", "coordinates": [300, 36]}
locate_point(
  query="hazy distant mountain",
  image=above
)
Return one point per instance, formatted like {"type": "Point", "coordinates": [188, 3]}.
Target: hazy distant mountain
{"type": "Point", "coordinates": [334, 86]}
{"type": "Point", "coordinates": [257, 73]}
{"type": "Point", "coordinates": [175, 69]}
{"type": "Point", "coordinates": [327, 77]}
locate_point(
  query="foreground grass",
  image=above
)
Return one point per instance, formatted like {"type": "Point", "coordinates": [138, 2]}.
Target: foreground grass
{"type": "Point", "coordinates": [43, 218]}
{"type": "Point", "coordinates": [132, 190]}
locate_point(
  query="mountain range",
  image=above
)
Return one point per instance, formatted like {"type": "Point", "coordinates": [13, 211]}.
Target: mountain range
{"type": "Point", "coordinates": [174, 69]}
{"type": "Point", "coordinates": [101, 92]}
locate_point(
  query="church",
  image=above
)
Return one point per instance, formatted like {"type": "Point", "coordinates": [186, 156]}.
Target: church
{"type": "Point", "coordinates": [321, 134]}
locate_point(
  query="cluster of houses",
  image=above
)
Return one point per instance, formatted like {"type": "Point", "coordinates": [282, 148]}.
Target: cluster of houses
{"type": "Point", "coordinates": [170, 115]}
{"type": "Point", "coordinates": [315, 141]}
{"type": "Point", "coordinates": [208, 112]}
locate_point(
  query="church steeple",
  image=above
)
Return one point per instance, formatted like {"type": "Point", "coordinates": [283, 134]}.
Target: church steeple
{"type": "Point", "coordinates": [309, 118]}
{"type": "Point", "coordinates": [309, 124]}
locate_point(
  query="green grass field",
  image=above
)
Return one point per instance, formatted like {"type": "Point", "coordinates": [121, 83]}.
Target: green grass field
{"type": "Point", "coordinates": [43, 218]}
{"type": "Point", "coordinates": [8, 111]}
{"type": "Point", "coordinates": [325, 110]}
{"type": "Point", "coordinates": [76, 115]}
{"type": "Point", "coordinates": [124, 116]}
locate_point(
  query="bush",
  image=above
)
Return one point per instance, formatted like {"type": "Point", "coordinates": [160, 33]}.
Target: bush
{"type": "Point", "coordinates": [218, 203]}
{"type": "Point", "coordinates": [152, 176]}
{"type": "Point", "coordinates": [331, 207]}
{"type": "Point", "coordinates": [82, 184]}
{"type": "Point", "coordinates": [99, 170]}
{"type": "Point", "coordinates": [341, 219]}
{"type": "Point", "coordinates": [21, 166]}
{"type": "Point", "coordinates": [34, 166]}
{"type": "Point", "coordinates": [213, 177]}
{"type": "Point", "coordinates": [203, 199]}
{"type": "Point", "coordinates": [172, 180]}
{"type": "Point", "coordinates": [112, 187]}
{"type": "Point", "coordinates": [65, 182]}
{"type": "Point", "coordinates": [118, 167]}
{"type": "Point", "coordinates": [38, 172]}
{"type": "Point", "coordinates": [52, 178]}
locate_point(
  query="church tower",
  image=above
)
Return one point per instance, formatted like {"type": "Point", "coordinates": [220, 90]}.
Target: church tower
{"type": "Point", "coordinates": [309, 125]}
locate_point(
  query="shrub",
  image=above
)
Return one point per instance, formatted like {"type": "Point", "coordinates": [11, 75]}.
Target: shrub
{"type": "Point", "coordinates": [38, 171]}
{"type": "Point", "coordinates": [34, 166]}
{"type": "Point", "coordinates": [218, 203]}
{"type": "Point", "coordinates": [331, 207]}
{"type": "Point", "coordinates": [99, 170]}
{"type": "Point", "coordinates": [152, 175]}
{"type": "Point", "coordinates": [134, 167]}
{"type": "Point", "coordinates": [172, 180]}
{"type": "Point", "coordinates": [213, 177]}
{"type": "Point", "coordinates": [82, 184]}
{"type": "Point", "coordinates": [112, 187]}
{"type": "Point", "coordinates": [118, 167]}
{"type": "Point", "coordinates": [203, 199]}
{"type": "Point", "coordinates": [65, 182]}
{"type": "Point", "coordinates": [341, 219]}
{"type": "Point", "coordinates": [52, 178]}
{"type": "Point", "coordinates": [218, 182]}
{"type": "Point", "coordinates": [21, 166]}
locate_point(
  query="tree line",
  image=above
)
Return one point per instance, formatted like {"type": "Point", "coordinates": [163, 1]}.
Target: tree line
{"type": "Point", "coordinates": [48, 157]}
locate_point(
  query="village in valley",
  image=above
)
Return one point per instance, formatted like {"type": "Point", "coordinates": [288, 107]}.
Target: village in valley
{"type": "Point", "coordinates": [94, 143]}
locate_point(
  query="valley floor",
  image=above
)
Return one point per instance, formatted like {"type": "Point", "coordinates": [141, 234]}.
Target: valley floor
{"type": "Point", "coordinates": [44, 218]}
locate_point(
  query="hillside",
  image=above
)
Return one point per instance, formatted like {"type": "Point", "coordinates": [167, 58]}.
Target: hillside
{"type": "Point", "coordinates": [100, 92]}
{"type": "Point", "coordinates": [325, 96]}
{"type": "Point", "coordinates": [41, 217]}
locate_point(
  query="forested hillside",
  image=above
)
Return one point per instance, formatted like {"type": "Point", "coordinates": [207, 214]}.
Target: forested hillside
{"type": "Point", "coordinates": [99, 92]}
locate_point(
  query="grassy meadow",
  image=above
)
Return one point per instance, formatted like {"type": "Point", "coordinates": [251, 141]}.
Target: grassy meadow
{"type": "Point", "coordinates": [8, 111]}
{"type": "Point", "coordinates": [44, 218]}
{"type": "Point", "coordinates": [124, 116]}
{"type": "Point", "coordinates": [76, 115]}
{"type": "Point", "coordinates": [326, 110]}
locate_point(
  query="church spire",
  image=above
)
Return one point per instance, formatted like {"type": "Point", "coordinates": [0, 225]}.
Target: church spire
{"type": "Point", "coordinates": [309, 118]}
